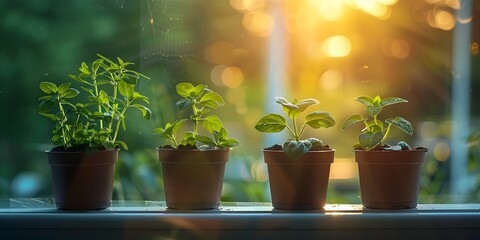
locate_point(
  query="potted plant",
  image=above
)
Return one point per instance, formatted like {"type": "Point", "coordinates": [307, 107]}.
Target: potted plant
{"type": "Point", "coordinates": [299, 169]}
{"type": "Point", "coordinates": [85, 133]}
{"type": "Point", "coordinates": [193, 166]}
{"type": "Point", "coordinates": [389, 175]}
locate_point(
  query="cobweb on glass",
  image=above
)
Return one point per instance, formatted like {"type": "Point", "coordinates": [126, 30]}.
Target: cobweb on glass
{"type": "Point", "coordinates": [166, 31]}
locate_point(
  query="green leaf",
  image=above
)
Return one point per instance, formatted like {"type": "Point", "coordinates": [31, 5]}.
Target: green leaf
{"type": "Point", "coordinates": [184, 89]}
{"type": "Point", "coordinates": [138, 96]}
{"type": "Point", "coordinates": [48, 87]}
{"type": "Point", "coordinates": [391, 101]}
{"type": "Point", "coordinates": [319, 120]}
{"type": "Point", "coordinates": [369, 140]}
{"type": "Point", "coordinates": [70, 93]}
{"type": "Point", "coordinates": [146, 113]}
{"type": "Point", "coordinates": [220, 134]}
{"type": "Point", "coordinates": [63, 87]}
{"type": "Point", "coordinates": [304, 104]}
{"type": "Point", "coordinates": [212, 123]}
{"type": "Point", "coordinates": [76, 78]}
{"type": "Point", "coordinates": [89, 91]}
{"type": "Point", "coordinates": [351, 120]}
{"type": "Point", "coordinates": [401, 123]}
{"type": "Point", "coordinates": [374, 110]}
{"type": "Point", "coordinates": [122, 121]}
{"type": "Point", "coordinates": [296, 149]}
{"type": "Point", "coordinates": [130, 79]}
{"type": "Point", "coordinates": [126, 89]}
{"type": "Point", "coordinates": [228, 143]}
{"type": "Point", "coordinates": [289, 108]}
{"type": "Point", "coordinates": [375, 126]}
{"type": "Point", "coordinates": [183, 103]}
{"type": "Point", "coordinates": [206, 140]}
{"type": "Point", "coordinates": [122, 144]}
{"type": "Point", "coordinates": [49, 115]}
{"type": "Point", "coordinates": [109, 145]}
{"type": "Point", "coordinates": [84, 68]}
{"type": "Point", "coordinates": [199, 90]}
{"type": "Point", "coordinates": [365, 100]}
{"type": "Point", "coordinates": [189, 138]}
{"type": "Point", "coordinates": [377, 100]}
{"type": "Point", "coordinates": [211, 100]}
{"type": "Point", "coordinates": [271, 123]}
{"type": "Point", "coordinates": [46, 106]}
{"type": "Point", "coordinates": [103, 97]}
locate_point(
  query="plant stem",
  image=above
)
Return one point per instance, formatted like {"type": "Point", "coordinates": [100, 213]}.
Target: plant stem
{"type": "Point", "coordinates": [386, 132]}
{"type": "Point", "coordinates": [291, 131]}
{"type": "Point", "coordinates": [295, 130]}
{"type": "Point", "coordinates": [62, 126]}
{"type": "Point", "coordinates": [114, 107]}
{"type": "Point", "coordinates": [196, 118]}
{"type": "Point", "coordinates": [303, 129]}
{"type": "Point", "coordinates": [117, 128]}
{"type": "Point", "coordinates": [99, 105]}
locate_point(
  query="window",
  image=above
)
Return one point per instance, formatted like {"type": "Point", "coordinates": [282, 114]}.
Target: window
{"type": "Point", "coordinates": [251, 51]}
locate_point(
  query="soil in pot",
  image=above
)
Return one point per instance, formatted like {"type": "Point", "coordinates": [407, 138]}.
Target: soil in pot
{"type": "Point", "coordinates": [83, 180]}
{"type": "Point", "coordinates": [193, 179]}
{"type": "Point", "coordinates": [299, 184]}
{"type": "Point", "coordinates": [390, 179]}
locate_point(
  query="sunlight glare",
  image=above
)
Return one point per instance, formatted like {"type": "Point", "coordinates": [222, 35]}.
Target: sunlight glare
{"type": "Point", "coordinates": [337, 46]}
{"type": "Point", "coordinates": [441, 152]}
{"type": "Point", "coordinates": [328, 10]}
{"type": "Point", "coordinates": [258, 23]}
{"type": "Point", "coordinates": [400, 49]}
{"type": "Point", "coordinates": [444, 20]}
{"type": "Point", "coordinates": [220, 53]}
{"type": "Point", "coordinates": [216, 74]}
{"type": "Point", "coordinates": [232, 77]}
{"type": "Point", "coordinates": [331, 79]}
{"type": "Point", "coordinates": [387, 2]}
{"type": "Point", "coordinates": [248, 5]}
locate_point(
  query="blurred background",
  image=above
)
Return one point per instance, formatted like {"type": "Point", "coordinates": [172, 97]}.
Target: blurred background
{"type": "Point", "coordinates": [251, 51]}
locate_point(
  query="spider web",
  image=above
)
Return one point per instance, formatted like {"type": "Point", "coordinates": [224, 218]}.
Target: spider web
{"type": "Point", "coordinates": [167, 34]}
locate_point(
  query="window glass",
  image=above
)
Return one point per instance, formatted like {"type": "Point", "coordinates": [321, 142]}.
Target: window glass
{"type": "Point", "coordinates": [250, 52]}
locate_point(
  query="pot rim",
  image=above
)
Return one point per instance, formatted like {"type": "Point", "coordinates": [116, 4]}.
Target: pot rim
{"type": "Point", "coordinates": [391, 151]}
{"type": "Point", "coordinates": [192, 150]}
{"type": "Point", "coordinates": [77, 152]}
{"type": "Point", "coordinates": [326, 150]}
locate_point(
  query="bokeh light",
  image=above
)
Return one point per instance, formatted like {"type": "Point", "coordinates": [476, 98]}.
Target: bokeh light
{"type": "Point", "coordinates": [337, 46]}
{"type": "Point", "coordinates": [258, 23]}
{"type": "Point", "coordinates": [441, 152]}
{"type": "Point", "coordinates": [331, 79]}
{"type": "Point", "coordinates": [232, 77]}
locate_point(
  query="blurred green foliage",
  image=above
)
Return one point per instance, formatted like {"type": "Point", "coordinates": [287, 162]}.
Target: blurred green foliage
{"type": "Point", "coordinates": [45, 40]}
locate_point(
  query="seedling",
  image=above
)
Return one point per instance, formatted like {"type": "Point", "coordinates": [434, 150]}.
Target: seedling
{"type": "Point", "coordinates": [377, 131]}
{"type": "Point", "coordinates": [201, 100]}
{"type": "Point", "coordinates": [94, 124]}
{"type": "Point", "coordinates": [295, 147]}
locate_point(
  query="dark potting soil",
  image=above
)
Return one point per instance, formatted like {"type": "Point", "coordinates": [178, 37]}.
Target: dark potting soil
{"type": "Point", "coordinates": [80, 148]}
{"type": "Point", "coordinates": [279, 147]}
{"type": "Point", "coordinates": [186, 147]}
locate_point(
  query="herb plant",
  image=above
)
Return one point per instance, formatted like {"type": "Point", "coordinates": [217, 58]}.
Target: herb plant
{"type": "Point", "coordinates": [377, 131]}
{"type": "Point", "coordinates": [201, 100]}
{"type": "Point", "coordinates": [95, 123]}
{"type": "Point", "coordinates": [295, 147]}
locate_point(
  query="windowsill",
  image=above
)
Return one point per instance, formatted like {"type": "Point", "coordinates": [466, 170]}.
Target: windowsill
{"type": "Point", "coordinates": [25, 218]}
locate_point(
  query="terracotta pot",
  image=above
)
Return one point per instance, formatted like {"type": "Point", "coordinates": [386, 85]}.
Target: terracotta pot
{"type": "Point", "coordinates": [83, 180]}
{"type": "Point", "coordinates": [193, 179]}
{"type": "Point", "coordinates": [389, 179]}
{"type": "Point", "coordinates": [298, 184]}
